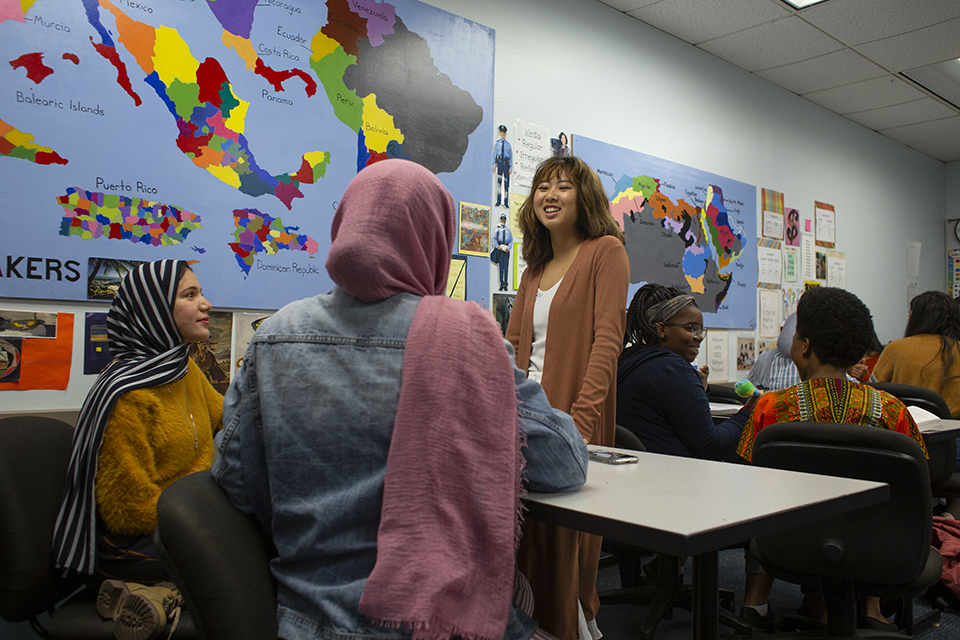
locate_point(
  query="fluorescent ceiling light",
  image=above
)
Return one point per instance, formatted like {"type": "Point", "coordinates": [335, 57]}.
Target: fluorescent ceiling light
{"type": "Point", "coordinates": [802, 4]}
{"type": "Point", "coordinates": [942, 79]}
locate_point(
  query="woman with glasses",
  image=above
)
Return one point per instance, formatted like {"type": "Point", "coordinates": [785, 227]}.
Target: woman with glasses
{"type": "Point", "coordinates": [661, 395]}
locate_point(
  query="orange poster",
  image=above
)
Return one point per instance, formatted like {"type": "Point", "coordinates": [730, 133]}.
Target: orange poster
{"type": "Point", "coordinates": [45, 362]}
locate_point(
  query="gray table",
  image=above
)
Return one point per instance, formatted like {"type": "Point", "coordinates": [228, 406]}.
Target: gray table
{"type": "Point", "coordinates": [688, 507]}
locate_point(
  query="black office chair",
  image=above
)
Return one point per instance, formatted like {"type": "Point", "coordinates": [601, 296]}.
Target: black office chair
{"type": "Point", "coordinates": [724, 394]}
{"type": "Point", "coordinates": [883, 550]}
{"type": "Point", "coordinates": [944, 480]}
{"type": "Point", "coordinates": [664, 590]}
{"type": "Point", "coordinates": [219, 559]}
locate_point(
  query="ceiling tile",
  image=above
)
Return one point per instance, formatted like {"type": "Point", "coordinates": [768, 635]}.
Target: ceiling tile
{"type": "Point", "coordinates": [925, 131]}
{"type": "Point", "coordinates": [772, 44]}
{"type": "Point", "coordinates": [627, 5]}
{"type": "Point", "coordinates": [855, 22]}
{"type": "Point", "coordinates": [943, 149]}
{"type": "Point", "coordinates": [697, 21]}
{"type": "Point", "coordinates": [869, 94]}
{"type": "Point", "coordinates": [899, 115]}
{"type": "Point", "coordinates": [916, 48]}
{"type": "Point", "coordinates": [832, 70]}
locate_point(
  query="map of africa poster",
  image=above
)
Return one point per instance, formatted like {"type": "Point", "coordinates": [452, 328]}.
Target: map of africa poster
{"type": "Point", "coordinates": [684, 228]}
{"type": "Point", "coordinates": [222, 132]}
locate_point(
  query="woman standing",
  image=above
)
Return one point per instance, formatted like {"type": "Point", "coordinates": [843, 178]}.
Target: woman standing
{"type": "Point", "coordinates": [567, 329]}
{"type": "Point", "coordinates": [148, 420]}
{"type": "Point", "coordinates": [661, 397]}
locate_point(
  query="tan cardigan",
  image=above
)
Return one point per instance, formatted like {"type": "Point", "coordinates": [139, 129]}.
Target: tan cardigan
{"type": "Point", "coordinates": [915, 361]}
{"type": "Point", "coordinates": [584, 335]}
{"type": "Point", "coordinates": [584, 338]}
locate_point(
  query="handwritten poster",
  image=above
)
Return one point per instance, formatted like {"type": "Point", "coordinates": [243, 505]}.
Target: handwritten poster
{"type": "Point", "coordinates": [837, 270]}
{"type": "Point", "coordinates": [717, 356]}
{"type": "Point", "coordinates": [769, 314]}
{"type": "Point", "coordinates": [531, 144]}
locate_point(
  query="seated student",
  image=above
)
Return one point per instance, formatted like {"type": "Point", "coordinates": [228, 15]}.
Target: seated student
{"type": "Point", "coordinates": [661, 396]}
{"type": "Point", "coordinates": [773, 369]}
{"type": "Point", "coordinates": [834, 330]}
{"type": "Point", "coordinates": [376, 433]}
{"type": "Point", "coordinates": [149, 420]}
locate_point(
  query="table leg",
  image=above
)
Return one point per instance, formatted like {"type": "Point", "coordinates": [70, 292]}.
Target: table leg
{"type": "Point", "coordinates": [706, 596]}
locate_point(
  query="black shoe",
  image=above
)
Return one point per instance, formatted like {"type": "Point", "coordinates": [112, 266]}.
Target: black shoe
{"type": "Point", "coordinates": [873, 624]}
{"type": "Point", "coordinates": [753, 618]}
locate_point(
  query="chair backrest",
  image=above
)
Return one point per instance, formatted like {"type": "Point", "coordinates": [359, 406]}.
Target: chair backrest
{"type": "Point", "coordinates": [626, 439]}
{"type": "Point", "coordinates": [916, 396]}
{"type": "Point", "coordinates": [34, 454]}
{"type": "Point", "coordinates": [943, 457]}
{"type": "Point", "coordinates": [886, 544]}
{"type": "Point", "coordinates": [725, 394]}
{"type": "Point", "coordinates": [220, 560]}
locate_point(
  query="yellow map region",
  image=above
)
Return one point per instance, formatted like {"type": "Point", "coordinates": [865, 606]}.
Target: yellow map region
{"type": "Point", "coordinates": [378, 129]}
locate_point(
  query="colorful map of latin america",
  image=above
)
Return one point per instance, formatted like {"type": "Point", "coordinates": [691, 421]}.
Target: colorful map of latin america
{"type": "Point", "coordinates": [93, 214]}
{"type": "Point", "coordinates": [667, 239]}
{"type": "Point", "coordinates": [260, 234]}
{"type": "Point", "coordinates": [220, 106]}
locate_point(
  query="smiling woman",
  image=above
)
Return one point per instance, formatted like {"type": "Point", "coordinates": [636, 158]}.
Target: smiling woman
{"type": "Point", "coordinates": [566, 327]}
{"type": "Point", "coordinates": [148, 420]}
{"type": "Point", "coordinates": [661, 396]}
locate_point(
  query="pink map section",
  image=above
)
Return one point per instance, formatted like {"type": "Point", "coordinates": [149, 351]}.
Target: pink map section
{"type": "Point", "coordinates": [380, 18]}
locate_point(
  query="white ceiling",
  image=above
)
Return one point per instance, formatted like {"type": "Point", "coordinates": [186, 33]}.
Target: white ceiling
{"type": "Point", "coordinates": [845, 55]}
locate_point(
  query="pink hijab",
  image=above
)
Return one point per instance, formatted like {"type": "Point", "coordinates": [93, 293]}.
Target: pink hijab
{"type": "Point", "coordinates": [449, 520]}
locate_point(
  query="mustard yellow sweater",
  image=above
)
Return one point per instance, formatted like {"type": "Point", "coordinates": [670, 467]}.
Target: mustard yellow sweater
{"type": "Point", "coordinates": [915, 361]}
{"type": "Point", "coordinates": [149, 442]}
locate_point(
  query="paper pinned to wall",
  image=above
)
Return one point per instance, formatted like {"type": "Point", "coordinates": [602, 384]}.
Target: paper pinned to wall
{"type": "Point", "coordinates": [769, 266]}
{"type": "Point", "coordinates": [913, 259]}
{"type": "Point", "coordinates": [807, 259]}
{"type": "Point", "coordinates": [791, 265]}
{"type": "Point", "coordinates": [837, 270]}
{"type": "Point", "coordinates": [531, 144]}
{"type": "Point", "coordinates": [773, 225]}
{"type": "Point", "coordinates": [717, 356]}
{"type": "Point", "coordinates": [825, 224]}
{"type": "Point", "coordinates": [769, 314]}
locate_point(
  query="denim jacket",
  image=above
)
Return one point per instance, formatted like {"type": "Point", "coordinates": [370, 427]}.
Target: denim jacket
{"type": "Point", "coordinates": [307, 428]}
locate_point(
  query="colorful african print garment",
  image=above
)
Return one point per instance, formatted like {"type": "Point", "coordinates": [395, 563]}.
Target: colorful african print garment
{"type": "Point", "coordinates": [829, 400]}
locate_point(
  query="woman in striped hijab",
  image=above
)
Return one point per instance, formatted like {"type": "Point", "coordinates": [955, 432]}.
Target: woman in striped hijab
{"type": "Point", "coordinates": [149, 420]}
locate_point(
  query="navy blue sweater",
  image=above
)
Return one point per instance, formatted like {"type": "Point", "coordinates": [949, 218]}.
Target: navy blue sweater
{"type": "Point", "coordinates": [661, 399]}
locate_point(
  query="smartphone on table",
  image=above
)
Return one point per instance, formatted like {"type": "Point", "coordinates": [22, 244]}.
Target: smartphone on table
{"type": "Point", "coordinates": [612, 457]}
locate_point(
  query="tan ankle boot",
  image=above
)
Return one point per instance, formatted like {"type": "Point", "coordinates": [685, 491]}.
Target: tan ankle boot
{"type": "Point", "coordinates": [139, 612]}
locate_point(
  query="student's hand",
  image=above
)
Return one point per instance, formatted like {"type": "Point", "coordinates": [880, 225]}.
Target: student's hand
{"type": "Point", "coordinates": [704, 372]}
{"type": "Point", "coordinates": [752, 400]}
{"type": "Point", "coordinates": [858, 371]}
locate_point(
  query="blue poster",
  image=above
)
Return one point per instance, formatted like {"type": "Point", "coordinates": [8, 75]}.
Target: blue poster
{"type": "Point", "coordinates": [222, 132]}
{"type": "Point", "coordinates": [685, 228]}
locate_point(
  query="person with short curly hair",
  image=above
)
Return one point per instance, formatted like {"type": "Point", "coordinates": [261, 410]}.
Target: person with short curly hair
{"type": "Point", "coordinates": [834, 330]}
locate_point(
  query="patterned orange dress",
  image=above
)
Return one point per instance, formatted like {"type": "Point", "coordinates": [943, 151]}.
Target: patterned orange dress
{"type": "Point", "coordinates": [829, 400]}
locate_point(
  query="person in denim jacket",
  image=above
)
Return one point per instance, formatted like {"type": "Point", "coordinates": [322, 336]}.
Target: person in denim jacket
{"type": "Point", "coordinates": [380, 432]}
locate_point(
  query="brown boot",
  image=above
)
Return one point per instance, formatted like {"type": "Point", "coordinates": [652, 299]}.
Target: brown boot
{"type": "Point", "coordinates": [139, 612]}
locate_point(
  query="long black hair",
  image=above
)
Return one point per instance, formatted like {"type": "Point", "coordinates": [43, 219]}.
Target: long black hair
{"type": "Point", "coordinates": [641, 333]}
{"type": "Point", "coordinates": [935, 313]}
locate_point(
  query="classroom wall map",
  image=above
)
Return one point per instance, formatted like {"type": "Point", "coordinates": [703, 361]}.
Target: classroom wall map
{"type": "Point", "coordinates": [684, 228]}
{"type": "Point", "coordinates": [222, 132]}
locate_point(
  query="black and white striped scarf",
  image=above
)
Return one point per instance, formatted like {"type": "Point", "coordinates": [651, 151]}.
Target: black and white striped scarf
{"type": "Point", "coordinates": [148, 351]}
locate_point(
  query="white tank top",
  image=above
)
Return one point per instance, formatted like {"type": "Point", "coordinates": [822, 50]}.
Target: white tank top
{"type": "Point", "coordinates": [541, 316]}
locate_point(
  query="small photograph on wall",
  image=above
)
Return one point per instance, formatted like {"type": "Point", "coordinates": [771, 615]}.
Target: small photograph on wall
{"type": "Point", "coordinates": [244, 326]}
{"type": "Point", "coordinates": [96, 344]}
{"type": "Point", "coordinates": [10, 359]}
{"type": "Point", "coordinates": [745, 354]}
{"type": "Point", "coordinates": [502, 306]}
{"type": "Point", "coordinates": [27, 324]}
{"type": "Point", "coordinates": [560, 146]}
{"type": "Point", "coordinates": [474, 229]}
{"type": "Point", "coordinates": [213, 355]}
{"type": "Point", "coordinates": [765, 345]}
{"type": "Point", "coordinates": [105, 274]}
{"type": "Point", "coordinates": [821, 260]}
